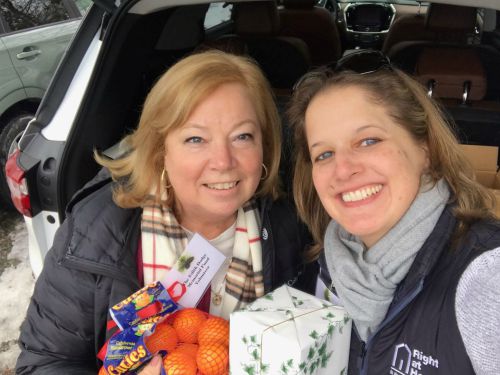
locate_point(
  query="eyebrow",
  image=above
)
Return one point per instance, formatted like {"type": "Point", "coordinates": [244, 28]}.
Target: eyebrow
{"type": "Point", "coordinates": [358, 130]}
{"type": "Point", "coordinates": [235, 126]}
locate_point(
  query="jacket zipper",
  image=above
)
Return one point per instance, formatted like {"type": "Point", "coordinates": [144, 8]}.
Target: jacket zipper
{"type": "Point", "coordinates": [365, 347]}
{"type": "Point", "coordinates": [80, 264]}
{"type": "Point", "coordinates": [265, 222]}
{"type": "Point", "coordinates": [362, 355]}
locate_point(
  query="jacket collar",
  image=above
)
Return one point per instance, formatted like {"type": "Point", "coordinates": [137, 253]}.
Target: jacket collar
{"type": "Point", "coordinates": [428, 255]}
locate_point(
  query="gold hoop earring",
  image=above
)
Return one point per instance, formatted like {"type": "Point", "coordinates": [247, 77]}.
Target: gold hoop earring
{"type": "Point", "coordinates": [265, 172]}
{"type": "Point", "coordinates": [163, 179]}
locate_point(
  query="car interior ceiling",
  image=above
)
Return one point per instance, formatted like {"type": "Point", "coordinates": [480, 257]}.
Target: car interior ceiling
{"type": "Point", "coordinates": [144, 46]}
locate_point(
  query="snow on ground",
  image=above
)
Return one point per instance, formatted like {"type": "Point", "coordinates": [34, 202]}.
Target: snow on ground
{"type": "Point", "coordinates": [16, 287]}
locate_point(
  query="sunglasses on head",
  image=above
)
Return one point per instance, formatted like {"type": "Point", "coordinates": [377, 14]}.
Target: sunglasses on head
{"type": "Point", "coordinates": [360, 62]}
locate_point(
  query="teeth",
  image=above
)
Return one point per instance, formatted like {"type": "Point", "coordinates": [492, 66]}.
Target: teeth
{"type": "Point", "coordinates": [222, 185]}
{"type": "Point", "coordinates": [361, 194]}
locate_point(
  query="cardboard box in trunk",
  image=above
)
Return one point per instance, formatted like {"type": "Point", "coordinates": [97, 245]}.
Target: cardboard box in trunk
{"type": "Point", "coordinates": [484, 159]}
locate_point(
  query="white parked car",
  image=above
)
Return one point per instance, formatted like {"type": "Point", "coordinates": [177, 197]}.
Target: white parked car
{"type": "Point", "coordinates": [33, 37]}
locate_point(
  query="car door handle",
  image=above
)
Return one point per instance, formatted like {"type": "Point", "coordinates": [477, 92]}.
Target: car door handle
{"type": "Point", "coordinates": [28, 54]}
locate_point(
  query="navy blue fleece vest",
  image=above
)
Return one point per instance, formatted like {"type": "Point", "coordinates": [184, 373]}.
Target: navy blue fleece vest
{"type": "Point", "coordinates": [419, 335]}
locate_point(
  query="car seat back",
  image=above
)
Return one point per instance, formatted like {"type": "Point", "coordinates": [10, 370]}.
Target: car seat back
{"type": "Point", "coordinates": [314, 25]}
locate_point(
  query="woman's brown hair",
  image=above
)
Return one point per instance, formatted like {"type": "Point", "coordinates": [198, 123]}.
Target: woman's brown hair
{"type": "Point", "coordinates": [408, 104]}
{"type": "Point", "coordinates": [168, 106]}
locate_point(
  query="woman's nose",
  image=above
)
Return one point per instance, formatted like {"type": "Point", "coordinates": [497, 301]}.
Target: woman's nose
{"type": "Point", "coordinates": [346, 165]}
{"type": "Point", "coordinates": [222, 157]}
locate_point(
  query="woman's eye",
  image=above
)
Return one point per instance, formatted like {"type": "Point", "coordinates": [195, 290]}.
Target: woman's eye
{"type": "Point", "coordinates": [194, 140]}
{"type": "Point", "coordinates": [324, 155]}
{"type": "Point", "coordinates": [244, 137]}
{"type": "Point", "coordinates": [369, 141]}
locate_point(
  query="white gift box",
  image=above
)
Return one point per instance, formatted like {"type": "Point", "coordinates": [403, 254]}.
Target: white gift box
{"type": "Point", "coordinates": [289, 332]}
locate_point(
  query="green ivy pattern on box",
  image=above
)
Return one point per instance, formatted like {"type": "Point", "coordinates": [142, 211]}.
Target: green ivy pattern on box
{"type": "Point", "coordinates": [254, 366]}
{"type": "Point", "coordinates": [317, 357]}
{"type": "Point", "coordinates": [297, 302]}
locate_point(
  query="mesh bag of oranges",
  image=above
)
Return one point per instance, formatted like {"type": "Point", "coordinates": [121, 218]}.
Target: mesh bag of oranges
{"type": "Point", "coordinates": [195, 343]}
{"type": "Point", "coordinates": [191, 341]}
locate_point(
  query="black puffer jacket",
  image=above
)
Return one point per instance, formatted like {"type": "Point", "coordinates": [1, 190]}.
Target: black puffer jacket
{"type": "Point", "coordinates": [92, 266]}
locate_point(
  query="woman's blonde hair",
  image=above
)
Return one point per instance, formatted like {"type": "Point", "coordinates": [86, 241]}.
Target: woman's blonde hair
{"type": "Point", "coordinates": [168, 106]}
{"type": "Point", "coordinates": [408, 104]}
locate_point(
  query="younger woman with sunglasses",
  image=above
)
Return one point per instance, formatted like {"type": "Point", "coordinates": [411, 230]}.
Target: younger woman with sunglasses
{"type": "Point", "coordinates": [411, 246]}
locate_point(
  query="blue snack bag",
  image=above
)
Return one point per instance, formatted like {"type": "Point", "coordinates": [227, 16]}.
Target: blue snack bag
{"type": "Point", "coordinates": [127, 351]}
{"type": "Point", "coordinates": [152, 300]}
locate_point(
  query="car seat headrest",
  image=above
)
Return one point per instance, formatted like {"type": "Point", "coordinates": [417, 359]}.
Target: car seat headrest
{"type": "Point", "coordinates": [226, 43]}
{"type": "Point", "coordinates": [256, 18]}
{"type": "Point", "coordinates": [452, 73]}
{"type": "Point", "coordinates": [451, 18]}
{"type": "Point", "coordinates": [188, 24]}
{"type": "Point", "coordinates": [299, 4]}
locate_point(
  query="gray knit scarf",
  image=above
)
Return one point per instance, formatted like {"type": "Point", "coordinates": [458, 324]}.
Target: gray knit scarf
{"type": "Point", "coordinates": [365, 280]}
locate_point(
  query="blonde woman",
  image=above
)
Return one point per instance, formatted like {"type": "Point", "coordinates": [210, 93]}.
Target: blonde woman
{"type": "Point", "coordinates": [204, 159]}
{"type": "Point", "coordinates": [411, 247]}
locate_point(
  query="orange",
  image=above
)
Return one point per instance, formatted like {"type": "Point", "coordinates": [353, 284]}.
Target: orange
{"type": "Point", "coordinates": [178, 363]}
{"type": "Point", "coordinates": [187, 323]}
{"type": "Point", "coordinates": [189, 349]}
{"type": "Point", "coordinates": [213, 359]}
{"type": "Point", "coordinates": [163, 338]}
{"type": "Point", "coordinates": [102, 371]}
{"type": "Point", "coordinates": [214, 330]}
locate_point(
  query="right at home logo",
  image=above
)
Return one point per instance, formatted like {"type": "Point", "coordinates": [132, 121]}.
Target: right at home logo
{"type": "Point", "coordinates": [406, 361]}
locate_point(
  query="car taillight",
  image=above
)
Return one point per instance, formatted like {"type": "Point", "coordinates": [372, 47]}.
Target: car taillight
{"type": "Point", "coordinates": [17, 185]}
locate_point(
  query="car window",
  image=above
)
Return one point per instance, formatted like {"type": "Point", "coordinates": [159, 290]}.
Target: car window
{"type": "Point", "coordinates": [217, 13]}
{"type": "Point", "coordinates": [83, 5]}
{"type": "Point", "coordinates": [24, 14]}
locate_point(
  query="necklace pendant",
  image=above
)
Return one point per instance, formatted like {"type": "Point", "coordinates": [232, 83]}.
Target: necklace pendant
{"type": "Point", "coordinates": [217, 299]}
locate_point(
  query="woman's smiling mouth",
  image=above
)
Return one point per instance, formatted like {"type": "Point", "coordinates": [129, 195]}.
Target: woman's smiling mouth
{"type": "Point", "coordinates": [222, 185]}
{"type": "Point", "coordinates": [358, 195]}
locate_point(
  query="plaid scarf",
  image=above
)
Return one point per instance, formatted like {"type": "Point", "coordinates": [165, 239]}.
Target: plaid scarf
{"type": "Point", "coordinates": [163, 240]}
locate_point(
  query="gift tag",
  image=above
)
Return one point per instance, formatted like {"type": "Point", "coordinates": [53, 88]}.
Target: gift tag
{"type": "Point", "coordinates": [191, 275]}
